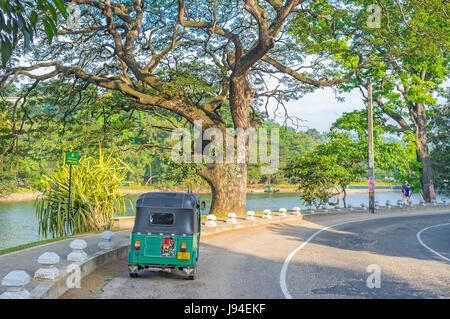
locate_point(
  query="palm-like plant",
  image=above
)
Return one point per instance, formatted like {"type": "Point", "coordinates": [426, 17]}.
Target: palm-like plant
{"type": "Point", "coordinates": [94, 200]}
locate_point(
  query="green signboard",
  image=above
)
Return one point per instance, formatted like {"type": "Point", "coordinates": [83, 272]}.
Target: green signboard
{"type": "Point", "coordinates": [72, 158]}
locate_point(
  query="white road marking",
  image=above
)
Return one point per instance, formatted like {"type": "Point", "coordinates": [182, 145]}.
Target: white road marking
{"type": "Point", "coordinates": [424, 245]}
{"type": "Point", "coordinates": [283, 286]}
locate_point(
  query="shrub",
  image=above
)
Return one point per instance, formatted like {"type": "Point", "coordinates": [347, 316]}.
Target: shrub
{"type": "Point", "coordinates": [94, 196]}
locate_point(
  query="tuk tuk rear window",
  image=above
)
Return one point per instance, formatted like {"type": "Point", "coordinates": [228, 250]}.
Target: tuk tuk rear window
{"type": "Point", "coordinates": [161, 219]}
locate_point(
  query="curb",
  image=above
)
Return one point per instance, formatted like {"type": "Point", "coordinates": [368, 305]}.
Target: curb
{"type": "Point", "coordinates": [244, 224]}
{"type": "Point", "coordinates": [52, 289]}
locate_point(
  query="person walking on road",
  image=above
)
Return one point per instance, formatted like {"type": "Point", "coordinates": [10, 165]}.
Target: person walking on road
{"type": "Point", "coordinates": [403, 191]}
{"type": "Point", "coordinates": [407, 193]}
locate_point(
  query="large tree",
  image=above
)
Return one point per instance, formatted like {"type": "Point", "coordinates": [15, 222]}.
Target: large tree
{"type": "Point", "coordinates": [408, 41]}
{"type": "Point", "coordinates": [194, 60]}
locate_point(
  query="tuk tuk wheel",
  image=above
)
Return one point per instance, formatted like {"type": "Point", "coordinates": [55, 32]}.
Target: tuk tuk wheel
{"type": "Point", "coordinates": [133, 270]}
{"type": "Point", "coordinates": [193, 273]}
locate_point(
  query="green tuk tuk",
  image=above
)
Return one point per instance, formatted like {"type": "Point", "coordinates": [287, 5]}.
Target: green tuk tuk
{"type": "Point", "coordinates": [166, 233]}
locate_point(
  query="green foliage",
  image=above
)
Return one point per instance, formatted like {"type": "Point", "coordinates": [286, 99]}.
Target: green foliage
{"type": "Point", "coordinates": [315, 174]}
{"type": "Point", "coordinates": [7, 185]}
{"type": "Point", "coordinates": [405, 57]}
{"type": "Point", "coordinates": [20, 18]}
{"type": "Point", "coordinates": [292, 143]}
{"type": "Point", "coordinates": [440, 151]}
{"type": "Point", "coordinates": [328, 170]}
{"type": "Point", "coordinates": [394, 156]}
{"type": "Point", "coordinates": [94, 200]}
{"type": "Point", "coordinates": [342, 160]}
{"type": "Point", "coordinates": [85, 118]}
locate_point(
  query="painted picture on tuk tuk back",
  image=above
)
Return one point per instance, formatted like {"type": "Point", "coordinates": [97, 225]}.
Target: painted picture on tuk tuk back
{"type": "Point", "coordinates": [168, 247]}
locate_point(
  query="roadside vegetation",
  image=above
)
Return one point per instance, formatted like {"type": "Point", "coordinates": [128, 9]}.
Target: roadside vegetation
{"type": "Point", "coordinates": [94, 196]}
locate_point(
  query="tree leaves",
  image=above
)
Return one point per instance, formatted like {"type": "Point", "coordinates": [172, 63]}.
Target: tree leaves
{"type": "Point", "coordinates": [16, 21]}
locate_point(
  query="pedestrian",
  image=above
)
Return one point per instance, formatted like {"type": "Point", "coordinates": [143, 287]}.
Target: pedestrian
{"type": "Point", "coordinates": [408, 193]}
{"type": "Point", "coordinates": [403, 191]}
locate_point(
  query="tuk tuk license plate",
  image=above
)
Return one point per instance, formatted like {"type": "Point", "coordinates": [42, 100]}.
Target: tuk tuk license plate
{"type": "Point", "coordinates": [183, 255]}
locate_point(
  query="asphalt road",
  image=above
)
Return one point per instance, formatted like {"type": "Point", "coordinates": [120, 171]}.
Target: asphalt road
{"type": "Point", "coordinates": [308, 260]}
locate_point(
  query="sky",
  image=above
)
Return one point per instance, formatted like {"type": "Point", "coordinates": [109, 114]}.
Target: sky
{"type": "Point", "coordinates": [320, 108]}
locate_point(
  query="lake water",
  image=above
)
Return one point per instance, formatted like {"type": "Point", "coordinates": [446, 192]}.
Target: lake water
{"type": "Point", "coordinates": [18, 223]}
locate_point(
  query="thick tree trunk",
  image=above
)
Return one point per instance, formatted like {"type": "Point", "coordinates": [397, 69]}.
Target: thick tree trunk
{"type": "Point", "coordinates": [423, 154]}
{"type": "Point", "coordinates": [228, 180]}
{"type": "Point", "coordinates": [229, 187]}
{"type": "Point", "coordinates": [426, 178]}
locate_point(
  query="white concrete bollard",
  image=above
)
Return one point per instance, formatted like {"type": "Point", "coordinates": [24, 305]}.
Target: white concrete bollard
{"type": "Point", "coordinates": [266, 214]}
{"type": "Point", "coordinates": [77, 254]}
{"type": "Point", "coordinates": [15, 282]}
{"type": "Point", "coordinates": [231, 218]}
{"type": "Point", "coordinates": [399, 203]}
{"type": "Point", "coordinates": [421, 203]}
{"type": "Point", "coordinates": [296, 210]}
{"type": "Point", "coordinates": [363, 206]}
{"type": "Point", "coordinates": [444, 201]}
{"type": "Point", "coordinates": [388, 204]}
{"type": "Point", "coordinates": [211, 220]}
{"type": "Point", "coordinates": [283, 212]}
{"type": "Point", "coordinates": [337, 208]}
{"type": "Point", "coordinates": [250, 215]}
{"type": "Point", "coordinates": [48, 260]}
{"type": "Point", "coordinates": [433, 202]}
{"type": "Point", "coordinates": [349, 206]}
{"type": "Point", "coordinates": [107, 243]}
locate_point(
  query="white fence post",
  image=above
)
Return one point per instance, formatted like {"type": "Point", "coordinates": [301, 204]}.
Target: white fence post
{"type": "Point", "coordinates": [211, 220]}
{"type": "Point", "coordinates": [296, 210]}
{"type": "Point", "coordinates": [48, 260]}
{"type": "Point", "coordinates": [267, 213]}
{"type": "Point", "coordinates": [283, 212]}
{"type": "Point", "coordinates": [77, 254]}
{"type": "Point", "coordinates": [250, 215]}
{"type": "Point", "coordinates": [106, 242]}
{"type": "Point", "coordinates": [15, 282]}
{"type": "Point", "coordinates": [231, 218]}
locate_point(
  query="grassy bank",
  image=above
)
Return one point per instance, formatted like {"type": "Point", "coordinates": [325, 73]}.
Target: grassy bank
{"type": "Point", "coordinates": [46, 241]}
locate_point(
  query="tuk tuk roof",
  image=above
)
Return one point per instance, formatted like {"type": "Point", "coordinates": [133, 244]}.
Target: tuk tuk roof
{"type": "Point", "coordinates": [168, 199]}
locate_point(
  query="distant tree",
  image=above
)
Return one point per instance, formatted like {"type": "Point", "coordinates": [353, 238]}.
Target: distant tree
{"type": "Point", "coordinates": [327, 171]}
{"type": "Point", "coordinates": [335, 164]}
